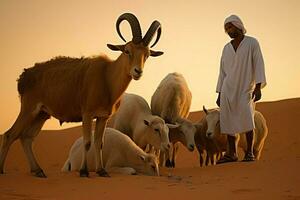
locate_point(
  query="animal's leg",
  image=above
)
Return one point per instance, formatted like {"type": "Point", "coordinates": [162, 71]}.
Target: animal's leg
{"type": "Point", "coordinates": [25, 117]}
{"type": "Point", "coordinates": [174, 155]}
{"type": "Point", "coordinates": [201, 154]}
{"type": "Point", "coordinates": [168, 156]}
{"type": "Point", "coordinates": [99, 142]}
{"type": "Point", "coordinates": [87, 132]}
{"type": "Point", "coordinates": [27, 138]}
{"type": "Point", "coordinates": [162, 158]}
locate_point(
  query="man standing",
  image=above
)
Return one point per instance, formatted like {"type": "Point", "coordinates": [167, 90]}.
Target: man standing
{"type": "Point", "coordinates": [241, 77]}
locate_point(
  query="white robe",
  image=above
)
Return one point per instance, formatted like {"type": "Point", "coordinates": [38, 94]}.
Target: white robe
{"type": "Point", "coordinates": [240, 71]}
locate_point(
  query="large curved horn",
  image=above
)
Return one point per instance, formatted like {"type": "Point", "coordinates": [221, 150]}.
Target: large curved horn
{"type": "Point", "coordinates": [155, 26]}
{"type": "Point", "coordinates": [134, 24]}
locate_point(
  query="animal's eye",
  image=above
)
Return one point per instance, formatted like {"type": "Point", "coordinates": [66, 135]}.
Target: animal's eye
{"type": "Point", "coordinates": [157, 130]}
{"type": "Point", "coordinates": [126, 51]}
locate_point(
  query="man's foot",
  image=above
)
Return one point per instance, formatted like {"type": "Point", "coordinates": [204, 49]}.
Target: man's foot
{"type": "Point", "coordinates": [103, 173]}
{"type": "Point", "coordinates": [227, 158]}
{"type": "Point", "coordinates": [249, 157]}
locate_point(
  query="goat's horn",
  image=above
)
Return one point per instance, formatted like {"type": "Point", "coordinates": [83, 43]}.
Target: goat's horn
{"type": "Point", "coordinates": [155, 26]}
{"type": "Point", "coordinates": [134, 24]}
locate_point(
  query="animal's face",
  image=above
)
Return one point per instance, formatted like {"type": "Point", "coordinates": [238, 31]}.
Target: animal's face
{"type": "Point", "coordinates": [213, 123]}
{"type": "Point", "coordinates": [189, 130]}
{"type": "Point", "coordinates": [150, 164]}
{"type": "Point", "coordinates": [135, 56]}
{"type": "Point", "coordinates": [159, 133]}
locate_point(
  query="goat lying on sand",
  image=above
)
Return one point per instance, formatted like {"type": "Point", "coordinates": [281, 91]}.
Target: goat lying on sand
{"type": "Point", "coordinates": [120, 154]}
{"type": "Point", "coordinates": [74, 90]}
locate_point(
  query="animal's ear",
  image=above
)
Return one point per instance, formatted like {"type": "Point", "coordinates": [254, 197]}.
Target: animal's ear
{"type": "Point", "coordinates": [156, 53]}
{"type": "Point", "coordinates": [116, 47]}
{"type": "Point", "coordinates": [173, 125]}
{"type": "Point", "coordinates": [143, 158]}
{"type": "Point", "coordinates": [147, 123]}
{"type": "Point", "coordinates": [205, 110]}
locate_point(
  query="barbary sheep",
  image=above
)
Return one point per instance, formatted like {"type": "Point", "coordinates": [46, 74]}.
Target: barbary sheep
{"type": "Point", "coordinates": [120, 154]}
{"type": "Point", "coordinates": [134, 118]}
{"type": "Point", "coordinates": [215, 143]}
{"type": "Point", "coordinates": [172, 101]}
{"type": "Point", "coordinates": [74, 90]}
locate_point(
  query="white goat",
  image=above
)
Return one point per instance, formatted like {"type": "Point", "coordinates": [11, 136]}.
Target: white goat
{"type": "Point", "coordinates": [210, 139]}
{"type": "Point", "coordinates": [74, 90]}
{"type": "Point", "coordinates": [134, 118]}
{"type": "Point", "coordinates": [120, 154]}
{"type": "Point", "coordinates": [172, 101]}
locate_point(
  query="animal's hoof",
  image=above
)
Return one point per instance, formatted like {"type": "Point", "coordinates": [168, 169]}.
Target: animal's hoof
{"type": "Point", "coordinates": [103, 173]}
{"type": "Point", "coordinates": [40, 174]}
{"type": "Point", "coordinates": [173, 164]}
{"type": "Point", "coordinates": [168, 164]}
{"type": "Point", "coordinates": [84, 173]}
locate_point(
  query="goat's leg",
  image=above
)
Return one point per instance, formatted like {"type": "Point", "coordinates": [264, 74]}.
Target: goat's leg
{"type": "Point", "coordinates": [99, 142]}
{"type": "Point", "coordinates": [24, 118]}
{"type": "Point", "coordinates": [27, 139]}
{"type": "Point", "coordinates": [174, 155]}
{"type": "Point", "coordinates": [87, 132]}
{"type": "Point", "coordinates": [168, 156]}
{"type": "Point", "coordinates": [162, 158]}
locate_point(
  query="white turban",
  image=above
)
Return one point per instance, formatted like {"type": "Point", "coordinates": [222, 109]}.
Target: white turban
{"type": "Point", "coordinates": [236, 21]}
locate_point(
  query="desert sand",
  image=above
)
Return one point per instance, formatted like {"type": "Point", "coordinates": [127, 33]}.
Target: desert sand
{"type": "Point", "coordinates": [275, 176]}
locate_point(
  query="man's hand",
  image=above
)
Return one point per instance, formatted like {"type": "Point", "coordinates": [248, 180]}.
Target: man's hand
{"type": "Point", "coordinates": [218, 100]}
{"type": "Point", "coordinates": [256, 93]}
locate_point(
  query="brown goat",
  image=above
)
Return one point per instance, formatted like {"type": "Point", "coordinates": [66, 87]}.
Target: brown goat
{"type": "Point", "coordinates": [73, 90]}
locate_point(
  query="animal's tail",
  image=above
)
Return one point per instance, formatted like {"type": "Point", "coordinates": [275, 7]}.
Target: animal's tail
{"type": "Point", "coordinates": [67, 166]}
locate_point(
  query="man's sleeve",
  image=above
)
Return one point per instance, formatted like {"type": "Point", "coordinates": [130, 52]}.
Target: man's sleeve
{"type": "Point", "coordinates": [259, 66]}
{"type": "Point", "coordinates": [221, 77]}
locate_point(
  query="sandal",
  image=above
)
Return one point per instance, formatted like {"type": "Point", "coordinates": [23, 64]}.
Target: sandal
{"type": "Point", "coordinates": [249, 157]}
{"type": "Point", "coordinates": [227, 158]}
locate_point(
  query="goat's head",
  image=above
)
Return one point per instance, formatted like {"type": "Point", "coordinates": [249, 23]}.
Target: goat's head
{"type": "Point", "coordinates": [213, 122]}
{"type": "Point", "coordinates": [186, 130]}
{"type": "Point", "coordinates": [149, 164]}
{"type": "Point", "coordinates": [137, 50]}
{"type": "Point", "coordinates": [159, 133]}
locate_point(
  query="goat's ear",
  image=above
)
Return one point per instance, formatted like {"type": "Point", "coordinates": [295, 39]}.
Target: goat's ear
{"type": "Point", "coordinates": [116, 47]}
{"type": "Point", "coordinates": [173, 125]}
{"type": "Point", "coordinates": [147, 123]}
{"type": "Point", "coordinates": [156, 53]}
{"type": "Point", "coordinates": [205, 110]}
{"type": "Point", "coordinates": [142, 157]}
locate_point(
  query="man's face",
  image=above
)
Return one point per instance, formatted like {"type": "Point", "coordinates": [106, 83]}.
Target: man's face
{"type": "Point", "coordinates": [231, 30]}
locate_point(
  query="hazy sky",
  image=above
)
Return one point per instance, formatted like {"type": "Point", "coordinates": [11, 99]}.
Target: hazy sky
{"type": "Point", "coordinates": [192, 39]}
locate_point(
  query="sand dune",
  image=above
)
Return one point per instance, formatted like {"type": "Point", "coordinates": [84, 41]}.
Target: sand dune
{"type": "Point", "coordinates": [275, 176]}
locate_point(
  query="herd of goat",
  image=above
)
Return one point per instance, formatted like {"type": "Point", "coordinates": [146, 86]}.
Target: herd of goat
{"type": "Point", "coordinates": [129, 135]}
